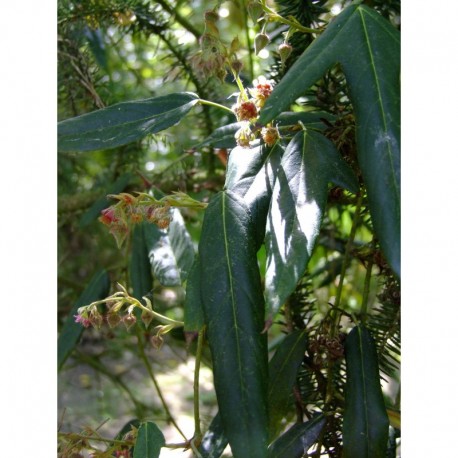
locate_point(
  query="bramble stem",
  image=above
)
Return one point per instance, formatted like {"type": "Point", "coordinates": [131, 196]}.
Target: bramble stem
{"type": "Point", "coordinates": [200, 340]}
{"type": "Point", "coordinates": [346, 259]}
{"type": "Point", "coordinates": [147, 364]}
{"type": "Point", "coordinates": [367, 284]}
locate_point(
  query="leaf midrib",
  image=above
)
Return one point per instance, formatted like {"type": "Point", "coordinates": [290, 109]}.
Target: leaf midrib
{"type": "Point", "coordinates": [379, 93]}
{"type": "Point", "coordinates": [363, 376]}
{"type": "Point", "coordinates": [118, 126]}
{"type": "Point", "coordinates": [233, 303]}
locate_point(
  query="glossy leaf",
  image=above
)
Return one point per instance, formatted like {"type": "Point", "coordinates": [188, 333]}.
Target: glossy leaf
{"type": "Point", "coordinates": [123, 123]}
{"type": "Point", "coordinates": [283, 369]}
{"type": "Point", "coordinates": [251, 175]}
{"type": "Point", "coordinates": [308, 118]}
{"type": "Point", "coordinates": [149, 441]}
{"type": "Point", "coordinates": [97, 289]}
{"type": "Point", "coordinates": [234, 314]}
{"type": "Point", "coordinates": [368, 48]}
{"type": "Point", "coordinates": [171, 251]}
{"type": "Point", "coordinates": [295, 442]}
{"type": "Point", "coordinates": [94, 211]}
{"type": "Point", "coordinates": [365, 421]}
{"type": "Point", "coordinates": [193, 311]}
{"type": "Point", "coordinates": [222, 137]}
{"type": "Point", "coordinates": [140, 267]}
{"type": "Point", "coordinates": [297, 205]}
{"type": "Point", "coordinates": [214, 440]}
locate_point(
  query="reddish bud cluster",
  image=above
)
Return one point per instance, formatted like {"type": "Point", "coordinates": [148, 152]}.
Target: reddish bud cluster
{"type": "Point", "coordinates": [246, 111]}
{"type": "Point", "coordinates": [131, 210]}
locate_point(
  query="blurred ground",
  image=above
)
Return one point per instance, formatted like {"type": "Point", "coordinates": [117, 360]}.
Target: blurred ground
{"type": "Point", "coordinates": [86, 397]}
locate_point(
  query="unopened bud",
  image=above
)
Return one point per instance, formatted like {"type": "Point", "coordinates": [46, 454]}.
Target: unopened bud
{"type": "Point", "coordinates": [285, 50]}
{"type": "Point", "coordinates": [254, 10]}
{"type": "Point", "coordinates": [270, 135]}
{"type": "Point", "coordinates": [113, 319]}
{"type": "Point", "coordinates": [237, 66]}
{"type": "Point", "coordinates": [129, 320]}
{"type": "Point", "coordinates": [211, 16]}
{"type": "Point", "coordinates": [147, 317]}
{"type": "Point", "coordinates": [261, 40]}
{"type": "Point", "coordinates": [156, 342]}
{"type": "Point", "coordinates": [96, 319]}
{"type": "Point", "coordinates": [235, 45]}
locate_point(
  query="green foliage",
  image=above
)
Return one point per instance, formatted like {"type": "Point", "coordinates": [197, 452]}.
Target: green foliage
{"type": "Point", "coordinates": [271, 256]}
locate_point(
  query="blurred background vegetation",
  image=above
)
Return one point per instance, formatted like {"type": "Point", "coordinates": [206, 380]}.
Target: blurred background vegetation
{"type": "Point", "coordinates": [111, 51]}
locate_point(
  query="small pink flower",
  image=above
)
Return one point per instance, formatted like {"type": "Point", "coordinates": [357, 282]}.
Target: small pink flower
{"type": "Point", "coordinates": [86, 322]}
{"type": "Point", "coordinates": [108, 216]}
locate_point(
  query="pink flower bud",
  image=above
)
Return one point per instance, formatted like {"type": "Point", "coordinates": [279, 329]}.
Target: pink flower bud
{"type": "Point", "coordinates": [108, 216]}
{"type": "Point", "coordinates": [246, 111]}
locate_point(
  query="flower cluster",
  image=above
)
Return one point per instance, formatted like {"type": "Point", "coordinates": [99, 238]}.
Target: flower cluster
{"type": "Point", "coordinates": [247, 111]}
{"type": "Point", "coordinates": [130, 210]}
{"type": "Point", "coordinates": [120, 309]}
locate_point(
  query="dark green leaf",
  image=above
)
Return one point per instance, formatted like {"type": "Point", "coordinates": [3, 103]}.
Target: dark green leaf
{"type": "Point", "coordinates": [140, 267]}
{"type": "Point", "coordinates": [251, 175]}
{"type": "Point", "coordinates": [193, 312]}
{"type": "Point", "coordinates": [123, 123]}
{"type": "Point", "coordinates": [223, 137]}
{"type": "Point", "coordinates": [283, 369]}
{"type": "Point", "coordinates": [234, 315]}
{"type": "Point", "coordinates": [297, 205]}
{"type": "Point", "coordinates": [125, 429]}
{"type": "Point", "coordinates": [214, 441]}
{"type": "Point", "coordinates": [308, 118]}
{"type": "Point", "coordinates": [149, 441]}
{"type": "Point", "coordinates": [98, 288]}
{"type": "Point", "coordinates": [94, 211]}
{"type": "Point", "coordinates": [295, 442]}
{"type": "Point", "coordinates": [171, 251]}
{"type": "Point", "coordinates": [365, 421]}
{"type": "Point", "coordinates": [368, 48]}
{"type": "Point", "coordinates": [96, 44]}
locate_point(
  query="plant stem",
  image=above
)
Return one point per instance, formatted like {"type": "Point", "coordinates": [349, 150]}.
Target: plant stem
{"type": "Point", "coordinates": [200, 340]}
{"type": "Point", "coordinates": [180, 19]}
{"type": "Point", "coordinates": [346, 259]}
{"type": "Point", "coordinates": [147, 364]}
{"type": "Point", "coordinates": [243, 9]}
{"type": "Point", "coordinates": [272, 15]}
{"type": "Point", "coordinates": [214, 104]}
{"type": "Point", "coordinates": [367, 284]}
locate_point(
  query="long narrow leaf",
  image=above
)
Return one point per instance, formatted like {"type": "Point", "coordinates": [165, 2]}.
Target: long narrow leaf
{"type": "Point", "coordinates": [295, 442]}
{"type": "Point", "coordinates": [234, 315]}
{"type": "Point", "coordinates": [368, 48]}
{"type": "Point", "coordinates": [365, 423]}
{"type": "Point", "coordinates": [124, 122]}
{"type": "Point", "coordinates": [298, 201]}
{"type": "Point", "coordinates": [283, 369]}
{"type": "Point", "coordinates": [251, 175]}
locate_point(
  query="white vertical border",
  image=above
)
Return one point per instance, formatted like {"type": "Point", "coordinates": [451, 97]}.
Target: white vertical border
{"type": "Point", "coordinates": [429, 129]}
{"type": "Point", "coordinates": [28, 392]}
